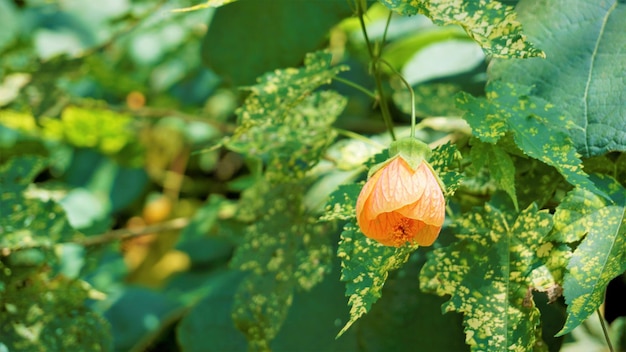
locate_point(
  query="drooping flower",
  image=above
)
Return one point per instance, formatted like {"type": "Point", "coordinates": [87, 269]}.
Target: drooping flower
{"type": "Point", "coordinates": [402, 201]}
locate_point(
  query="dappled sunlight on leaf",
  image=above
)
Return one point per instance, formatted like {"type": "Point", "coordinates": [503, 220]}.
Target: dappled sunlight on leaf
{"type": "Point", "coordinates": [487, 274]}
{"type": "Point", "coordinates": [601, 255]}
{"type": "Point", "coordinates": [493, 25]}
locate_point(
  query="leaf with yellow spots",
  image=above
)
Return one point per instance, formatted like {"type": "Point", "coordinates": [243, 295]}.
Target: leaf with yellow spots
{"type": "Point", "coordinates": [488, 273]}
{"type": "Point", "coordinates": [39, 302]}
{"type": "Point", "coordinates": [342, 202]}
{"type": "Point", "coordinates": [490, 23]}
{"type": "Point", "coordinates": [443, 161]}
{"type": "Point", "coordinates": [601, 256]}
{"type": "Point", "coordinates": [537, 128]}
{"type": "Point", "coordinates": [585, 81]}
{"type": "Point", "coordinates": [105, 130]}
{"type": "Point", "coordinates": [28, 222]}
{"type": "Point", "coordinates": [498, 163]}
{"type": "Point", "coordinates": [285, 121]}
{"type": "Point", "coordinates": [365, 265]}
{"type": "Point", "coordinates": [283, 250]}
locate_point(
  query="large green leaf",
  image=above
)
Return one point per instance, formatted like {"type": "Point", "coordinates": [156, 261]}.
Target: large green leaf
{"type": "Point", "coordinates": [489, 273]}
{"type": "Point", "coordinates": [406, 319]}
{"type": "Point", "coordinates": [601, 255]}
{"type": "Point", "coordinates": [498, 163]}
{"type": "Point", "coordinates": [249, 37]}
{"type": "Point", "coordinates": [284, 122]}
{"type": "Point", "coordinates": [44, 314]}
{"type": "Point", "coordinates": [493, 25]}
{"type": "Point", "coordinates": [365, 265]}
{"type": "Point", "coordinates": [583, 73]}
{"type": "Point", "coordinates": [26, 221]}
{"type": "Point", "coordinates": [537, 127]}
{"type": "Point", "coordinates": [445, 163]}
{"type": "Point", "coordinates": [283, 250]}
{"type": "Point", "coordinates": [38, 303]}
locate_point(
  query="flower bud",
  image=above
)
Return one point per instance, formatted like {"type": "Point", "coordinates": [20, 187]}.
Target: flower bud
{"type": "Point", "coordinates": [402, 201]}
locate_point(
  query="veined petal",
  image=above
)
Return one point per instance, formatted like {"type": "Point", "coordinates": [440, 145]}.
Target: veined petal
{"type": "Point", "coordinates": [430, 208]}
{"type": "Point", "coordinates": [397, 186]}
{"type": "Point", "coordinates": [365, 194]}
{"type": "Point", "coordinates": [393, 229]}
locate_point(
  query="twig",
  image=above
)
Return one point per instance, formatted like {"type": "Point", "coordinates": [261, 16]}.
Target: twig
{"type": "Point", "coordinates": [124, 234]}
{"type": "Point", "coordinates": [605, 331]}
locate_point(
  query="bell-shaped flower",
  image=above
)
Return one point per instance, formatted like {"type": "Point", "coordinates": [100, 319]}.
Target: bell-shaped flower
{"type": "Point", "coordinates": [402, 202]}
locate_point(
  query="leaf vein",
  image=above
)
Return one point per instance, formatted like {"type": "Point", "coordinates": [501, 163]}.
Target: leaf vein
{"type": "Point", "coordinates": [590, 74]}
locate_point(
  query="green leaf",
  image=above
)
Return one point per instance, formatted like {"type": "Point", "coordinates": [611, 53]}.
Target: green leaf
{"type": "Point", "coordinates": [431, 99]}
{"type": "Point", "coordinates": [601, 256]}
{"type": "Point", "coordinates": [571, 218]}
{"type": "Point", "coordinates": [444, 161]}
{"type": "Point", "coordinates": [499, 164]}
{"type": "Point", "coordinates": [283, 250]}
{"type": "Point", "coordinates": [578, 79]}
{"type": "Point", "coordinates": [260, 308]}
{"type": "Point", "coordinates": [489, 273]}
{"type": "Point", "coordinates": [276, 33]}
{"type": "Point", "coordinates": [38, 308]}
{"type": "Point", "coordinates": [206, 5]}
{"type": "Point", "coordinates": [18, 173]}
{"type": "Point", "coordinates": [365, 264]}
{"type": "Point", "coordinates": [284, 122]}
{"type": "Point", "coordinates": [535, 124]}
{"type": "Point", "coordinates": [406, 319]}
{"type": "Point", "coordinates": [28, 222]}
{"type": "Point", "coordinates": [37, 305]}
{"type": "Point", "coordinates": [105, 130]}
{"type": "Point", "coordinates": [491, 24]}
{"type": "Point", "coordinates": [342, 203]}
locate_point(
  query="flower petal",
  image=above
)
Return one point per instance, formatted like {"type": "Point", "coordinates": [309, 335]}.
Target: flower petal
{"type": "Point", "coordinates": [365, 194]}
{"type": "Point", "coordinates": [432, 205]}
{"type": "Point", "coordinates": [397, 186]}
{"type": "Point", "coordinates": [393, 229]}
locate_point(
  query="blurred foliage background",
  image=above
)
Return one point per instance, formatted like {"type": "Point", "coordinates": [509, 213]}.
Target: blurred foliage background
{"type": "Point", "coordinates": [113, 119]}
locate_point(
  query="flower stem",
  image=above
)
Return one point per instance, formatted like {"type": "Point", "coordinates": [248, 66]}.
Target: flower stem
{"type": "Point", "coordinates": [375, 68]}
{"type": "Point", "coordinates": [605, 331]}
{"type": "Point", "coordinates": [408, 86]}
{"type": "Point", "coordinates": [355, 86]}
{"type": "Point", "coordinates": [359, 137]}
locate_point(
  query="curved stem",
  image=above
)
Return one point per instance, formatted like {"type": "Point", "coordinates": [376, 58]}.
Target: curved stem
{"type": "Point", "coordinates": [408, 86]}
{"type": "Point", "coordinates": [358, 137]}
{"type": "Point", "coordinates": [382, 43]}
{"type": "Point", "coordinates": [360, 11]}
{"type": "Point", "coordinates": [355, 86]}
{"type": "Point", "coordinates": [124, 234]}
{"type": "Point", "coordinates": [605, 331]}
{"type": "Point", "coordinates": [384, 107]}
{"type": "Point", "coordinates": [375, 56]}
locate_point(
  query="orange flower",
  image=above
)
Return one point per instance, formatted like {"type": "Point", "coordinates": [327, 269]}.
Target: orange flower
{"type": "Point", "coordinates": [399, 204]}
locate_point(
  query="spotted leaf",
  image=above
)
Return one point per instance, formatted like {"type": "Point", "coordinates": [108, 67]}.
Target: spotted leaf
{"type": "Point", "coordinates": [584, 81]}
{"type": "Point", "coordinates": [488, 274]}
{"type": "Point", "coordinates": [490, 23]}
{"type": "Point", "coordinates": [285, 122]}
{"type": "Point", "coordinates": [365, 265]}
{"type": "Point", "coordinates": [443, 161]}
{"type": "Point", "coordinates": [537, 128]}
{"type": "Point", "coordinates": [283, 250]}
{"type": "Point", "coordinates": [601, 255]}
{"type": "Point", "coordinates": [341, 204]}
{"type": "Point", "coordinates": [499, 164]}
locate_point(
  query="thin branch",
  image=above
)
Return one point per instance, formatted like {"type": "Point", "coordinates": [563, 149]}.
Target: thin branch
{"type": "Point", "coordinates": [356, 86]}
{"type": "Point", "coordinates": [125, 234]}
{"type": "Point", "coordinates": [408, 86]}
{"type": "Point", "coordinates": [605, 330]}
